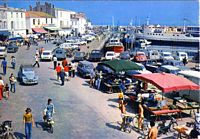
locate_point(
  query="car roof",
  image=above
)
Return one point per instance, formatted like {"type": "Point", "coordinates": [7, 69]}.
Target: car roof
{"type": "Point", "coordinates": [170, 67]}
{"type": "Point", "coordinates": [86, 62]}
{"type": "Point", "coordinates": [26, 66]}
{"type": "Point", "coordinates": [171, 60]}
{"type": "Point", "coordinates": [191, 73]}
{"type": "Point", "coordinates": [2, 47]}
{"type": "Point", "coordinates": [47, 51]}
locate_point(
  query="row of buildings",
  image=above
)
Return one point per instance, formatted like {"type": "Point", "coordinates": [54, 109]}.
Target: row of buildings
{"type": "Point", "coordinates": [43, 18]}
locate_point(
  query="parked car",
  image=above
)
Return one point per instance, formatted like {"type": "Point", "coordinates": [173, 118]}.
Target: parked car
{"type": "Point", "coordinates": [46, 55]}
{"type": "Point", "coordinates": [79, 56]}
{"type": "Point", "coordinates": [27, 75]}
{"type": "Point", "coordinates": [124, 55]}
{"type": "Point", "coordinates": [181, 55]}
{"type": "Point", "coordinates": [60, 53]}
{"type": "Point", "coordinates": [152, 64]}
{"type": "Point", "coordinates": [3, 52]}
{"type": "Point", "coordinates": [166, 56]}
{"type": "Point", "coordinates": [85, 68]}
{"type": "Point", "coordinates": [95, 55]}
{"type": "Point", "coordinates": [176, 63]}
{"type": "Point", "coordinates": [168, 69]}
{"type": "Point", "coordinates": [140, 57]}
{"type": "Point", "coordinates": [154, 54]}
{"type": "Point", "coordinates": [110, 55]}
{"type": "Point", "coordinates": [12, 48]}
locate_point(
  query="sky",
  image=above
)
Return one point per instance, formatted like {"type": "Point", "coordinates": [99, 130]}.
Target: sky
{"type": "Point", "coordinates": [163, 12]}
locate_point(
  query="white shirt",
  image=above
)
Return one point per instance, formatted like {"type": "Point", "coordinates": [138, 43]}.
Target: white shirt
{"type": "Point", "coordinates": [36, 58]}
{"type": "Point", "coordinates": [1, 82]}
{"type": "Point", "coordinates": [55, 58]}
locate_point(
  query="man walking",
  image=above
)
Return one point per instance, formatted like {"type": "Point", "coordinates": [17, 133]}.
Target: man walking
{"type": "Point", "coordinates": [36, 61]}
{"type": "Point", "coordinates": [62, 77]}
{"type": "Point", "coordinates": [29, 123]}
{"type": "Point", "coordinates": [58, 70]}
{"type": "Point", "coordinates": [54, 62]}
{"type": "Point", "coordinates": [4, 65]}
{"type": "Point", "coordinates": [12, 83]}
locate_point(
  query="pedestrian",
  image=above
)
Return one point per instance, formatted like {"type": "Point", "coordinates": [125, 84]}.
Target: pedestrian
{"type": "Point", "coordinates": [55, 60]}
{"type": "Point", "coordinates": [29, 123]}
{"type": "Point", "coordinates": [66, 69]}
{"type": "Point", "coordinates": [36, 61]}
{"type": "Point", "coordinates": [153, 132]}
{"type": "Point", "coordinates": [64, 62]}
{"type": "Point", "coordinates": [13, 61]}
{"type": "Point", "coordinates": [140, 116]}
{"type": "Point", "coordinates": [37, 51]}
{"type": "Point", "coordinates": [99, 80]}
{"type": "Point", "coordinates": [123, 112]}
{"type": "Point", "coordinates": [1, 87]}
{"type": "Point", "coordinates": [184, 61]}
{"type": "Point", "coordinates": [62, 77]}
{"type": "Point", "coordinates": [4, 65]}
{"type": "Point", "coordinates": [58, 70]}
{"type": "Point", "coordinates": [70, 69]}
{"type": "Point", "coordinates": [12, 83]}
{"type": "Point", "coordinates": [49, 110]}
{"type": "Point", "coordinates": [73, 69]}
{"type": "Point", "coordinates": [6, 91]}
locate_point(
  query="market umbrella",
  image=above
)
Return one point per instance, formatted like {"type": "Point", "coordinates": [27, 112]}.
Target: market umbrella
{"type": "Point", "coordinates": [168, 82]}
{"type": "Point", "coordinates": [121, 65]}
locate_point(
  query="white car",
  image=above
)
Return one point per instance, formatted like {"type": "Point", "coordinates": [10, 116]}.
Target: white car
{"type": "Point", "coordinates": [166, 56]}
{"type": "Point", "coordinates": [110, 55]}
{"type": "Point", "coordinates": [69, 46]}
{"type": "Point", "coordinates": [2, 52]}
{"type": "Point", "coordinates": [46, 55]}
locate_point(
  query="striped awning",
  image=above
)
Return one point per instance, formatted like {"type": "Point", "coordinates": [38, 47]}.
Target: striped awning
{"type": "Point", "coordinates": [39, 30]}
{"type": "Point", "coordinates": [52, 28]}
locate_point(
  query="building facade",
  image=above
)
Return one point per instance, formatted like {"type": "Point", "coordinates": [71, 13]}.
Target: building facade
{"type": "Point", "coordinates": [13, 20]}
{"type": "Point", "coordinates": [79, 23]}
{"type": "Point", "coordinates": [36, 20]}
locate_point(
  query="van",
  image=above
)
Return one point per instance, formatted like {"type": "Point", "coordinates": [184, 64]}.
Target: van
{"type": "Point", "coordinates": [181, 55]}
{"type": "Point", "coordinates": [110, 55]}
{"type": "Point", "coordinates": [166, 56]}
{"type": "Point", "coordinates": [193, 76]}
{"type": "Point", "coordinates": [3, 52]}
{"type": "Point", "coordinates": [154, 54]}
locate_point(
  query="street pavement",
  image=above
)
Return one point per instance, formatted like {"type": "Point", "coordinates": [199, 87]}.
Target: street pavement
{"type": "Point", "coordinates": [80, 111]}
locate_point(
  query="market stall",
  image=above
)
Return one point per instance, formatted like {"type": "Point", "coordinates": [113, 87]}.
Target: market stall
{"type": "Point", "coordinates": [166, 83]}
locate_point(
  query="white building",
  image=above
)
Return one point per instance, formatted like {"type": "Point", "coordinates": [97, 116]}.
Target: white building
{"type": "Point", "coordinates": [13, 20]}
{"type": "Point", "coordinates": [35, 21]}
{"type": "Point", "coordinates": [79, 23]}
{"type": "Point", "coordinates": [64, 20]}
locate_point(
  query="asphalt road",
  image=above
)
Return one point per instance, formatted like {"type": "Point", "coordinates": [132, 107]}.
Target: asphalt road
{"type": "Point", "coordinates": [80, 112]}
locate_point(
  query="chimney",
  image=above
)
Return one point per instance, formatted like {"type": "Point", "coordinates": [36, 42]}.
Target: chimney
{"type": "Point", "coordinates": [30, 8]}
{"type": "Point", "coordinates": [5, 5]}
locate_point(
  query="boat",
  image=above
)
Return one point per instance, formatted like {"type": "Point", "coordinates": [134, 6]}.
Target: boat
{"type": "Point", "coordinates": [172, 36]}
{"type": "Point", "coordinates": [142, 43]}
{"type": "Point", "coordinates": [115, 45]}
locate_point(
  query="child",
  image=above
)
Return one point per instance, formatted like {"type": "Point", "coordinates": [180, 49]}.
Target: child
{"type": "Point", "coordinates": [6, 91]}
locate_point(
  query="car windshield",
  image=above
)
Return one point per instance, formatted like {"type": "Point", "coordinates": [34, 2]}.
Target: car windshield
{"type": "Point", "coordinates": [140, 54]}
{"type": "Point", "coordinates": [179, 64]}
{"type": "Point", "coordinates": [110, 54]}
{"type": "Point", "coordinates": [59, 52]}
{"type": "Point", "coordinates": [27, 69]}
{"type": "Point", "coordinates": [79, 54]}
{"type": "Point", "coordinates": [183, 55]}
{"type": "Point", "coordinates": [89, 66]}
{"type": "Point", "coordinates": [2, 50]}
{"type": "Point", "coordinates": [94, 52]}
{"type": "Point", "coordinates": [46, 53]}
{"type": "Point", "coordinates": [167, 54]}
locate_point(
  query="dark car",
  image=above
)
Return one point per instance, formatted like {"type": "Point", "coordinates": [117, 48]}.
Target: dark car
{"type": "Point", "coordinates": [124, 55]}
{"type": "Point", "coordinates": [104, 69]}
{"type": "Point", "coordinates": [26, 75]}
{"type": "Point", "coordinates": [95, 55]}
{"type": "Point", "coordinates": [85, 69]}
{"type": "Point", "coordinates": [176, 63]}
{"type": "Point", "coordinates": [152, 64]}
{"type": "Point", "coordinates": [60, 53]}
{"type": "Point", "coordinates": [12, 48]}
{"type": "Point", "coordinates": [168, 69]}
{"type": "Point", "coordinates": [79, 56]}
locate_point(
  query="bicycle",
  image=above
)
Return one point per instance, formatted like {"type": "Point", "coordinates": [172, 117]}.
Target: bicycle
{"type": "Point", "coordinates": [6, 130]}
{"type": "Point", "coordinates": [131, 122]}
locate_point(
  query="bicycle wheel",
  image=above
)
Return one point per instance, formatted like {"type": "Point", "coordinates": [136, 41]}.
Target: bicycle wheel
{"type": "Point", "coordinates": [135, 122]}
{"type": "Point", "coordinates": [9, 136]}
{"type": "Point", "coordinates": [172, 127]}
{"type": "Point", "coordinates": [51, 129]}
{"type": "Point", "coordinates": [145, 129]}
{"type": "Point", "coordinates": [128, 128]}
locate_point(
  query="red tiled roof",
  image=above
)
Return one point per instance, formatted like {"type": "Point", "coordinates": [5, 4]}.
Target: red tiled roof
{"type": "Point", "coordinates": [35, 14]}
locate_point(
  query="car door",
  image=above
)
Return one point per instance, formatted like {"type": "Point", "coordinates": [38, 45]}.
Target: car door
{"type": "Point", "coordinates": [79, 68]}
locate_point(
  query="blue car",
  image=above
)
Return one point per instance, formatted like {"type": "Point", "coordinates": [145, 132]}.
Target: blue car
{"type": "Point", "coordinates": [85, 69]}
{"type": "Point", "coordinates": [27, 75]}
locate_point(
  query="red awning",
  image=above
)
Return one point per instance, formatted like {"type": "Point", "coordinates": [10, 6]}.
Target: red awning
{"type": "Point", "coordinates": [39, 30]}
{"type": "Point", "coordinates": [168, 82]}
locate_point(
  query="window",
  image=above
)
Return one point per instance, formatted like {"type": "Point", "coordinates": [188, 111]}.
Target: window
{"type": "Point", "coordinates": [21, 15]}
{"type": "Point", "coordinates": [38, 21]}
{"type": "Point", "coordinates": [12, 24]}
{"type": "Point", "coordinates": [33, 21]}
{"type": "Point", "coordinates": [46, 20]}
{"type": "Point", "coordinates": [16, 15]}
{"type": "Point", "coordinates": [51, 20]}
{"type": "Point", "coordinates": [4, 24]}
{"type": "Point", "coordinates": [11, 14]}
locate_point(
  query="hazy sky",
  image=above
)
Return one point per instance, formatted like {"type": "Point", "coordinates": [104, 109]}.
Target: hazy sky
{"type": "Point", "coordinates": [101, 12]}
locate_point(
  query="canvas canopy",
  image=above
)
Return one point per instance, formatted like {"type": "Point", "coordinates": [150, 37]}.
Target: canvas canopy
{"type": "Point", "coordinates": [121, 65]}
{"type": "Point", "coordinates": [168, 82]}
